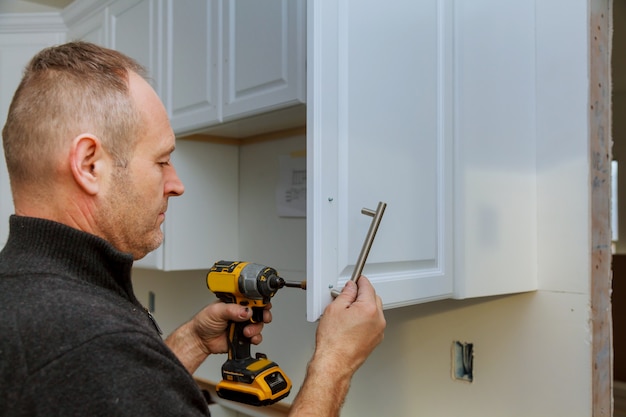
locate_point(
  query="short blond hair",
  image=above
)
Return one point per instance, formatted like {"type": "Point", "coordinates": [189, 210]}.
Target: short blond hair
{"type": "Point", "coordinates": [66, 90]}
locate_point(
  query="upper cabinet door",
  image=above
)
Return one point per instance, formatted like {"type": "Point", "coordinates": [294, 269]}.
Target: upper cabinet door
{"type": "Point", "coordinates": [191, 63]}
{"type": "Point", "coordinates": [264, 44]}
{"type": "Point", "coordinates": [134, 31]}
{"type": "Point", "coordinates": [90, 29]}
{"type": "Point", "coordinates": [379, 128]}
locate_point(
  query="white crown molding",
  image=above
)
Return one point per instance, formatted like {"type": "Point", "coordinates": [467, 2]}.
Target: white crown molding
{"type": "Point", "coordinates": [32, 22]}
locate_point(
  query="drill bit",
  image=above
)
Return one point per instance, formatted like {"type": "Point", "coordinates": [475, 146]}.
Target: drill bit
{"type": "Point", "coordinates": [296, 284]}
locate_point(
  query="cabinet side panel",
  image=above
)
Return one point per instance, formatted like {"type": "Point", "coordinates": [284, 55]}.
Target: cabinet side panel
{"type": "Point", "coordinates": [201, 226]}
{"type": "Point", "coordinates": [495, 139]}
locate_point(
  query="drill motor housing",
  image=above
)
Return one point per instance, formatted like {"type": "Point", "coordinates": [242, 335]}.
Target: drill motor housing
{"type": "Point", "coordinates": [254, 381]}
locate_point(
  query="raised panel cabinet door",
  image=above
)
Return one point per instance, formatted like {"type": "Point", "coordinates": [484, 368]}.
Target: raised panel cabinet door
{"type": "Point", "coordinates": [90, 29]}
{"type": "Point", "coordinates": [134, 30]}
{"type": "Point", "coordinates": [191, 63]}
{"type": "Point", "coordinates": [264, 44]}
{"type": "Point", "coordinates": [379, 128]}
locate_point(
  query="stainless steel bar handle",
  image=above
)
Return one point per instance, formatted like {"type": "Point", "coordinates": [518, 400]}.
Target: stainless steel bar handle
{"type": "Point", "coordinates": [367, 244]}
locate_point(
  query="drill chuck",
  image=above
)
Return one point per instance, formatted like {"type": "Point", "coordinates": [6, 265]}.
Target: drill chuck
{"type": "Point", "coordinates": [259, 282]}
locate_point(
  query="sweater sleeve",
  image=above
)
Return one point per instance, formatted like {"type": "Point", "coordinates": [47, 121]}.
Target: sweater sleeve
{"type": "Point", "coordinates": [120, 374]}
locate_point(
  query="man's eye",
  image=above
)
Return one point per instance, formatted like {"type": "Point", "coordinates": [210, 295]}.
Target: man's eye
{"type": "Point", "coordinates": [164, 163]}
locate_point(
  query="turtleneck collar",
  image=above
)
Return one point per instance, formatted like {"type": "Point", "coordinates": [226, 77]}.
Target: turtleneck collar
{"type": "Point", "coordinates": [44, 246]}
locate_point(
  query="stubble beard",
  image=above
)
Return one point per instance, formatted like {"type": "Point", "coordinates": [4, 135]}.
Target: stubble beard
{"type": "Point", "coordinates": [130, 228]}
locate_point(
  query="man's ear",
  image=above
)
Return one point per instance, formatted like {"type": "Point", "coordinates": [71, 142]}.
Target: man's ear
{"type": "Point", "coordinates": [86, 162]}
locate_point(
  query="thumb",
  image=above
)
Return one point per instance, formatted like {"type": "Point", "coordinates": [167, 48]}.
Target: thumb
{"type": "Point", "coordinates": [348, 293]}
{"type": "Point", "coordinates": [235, 312]}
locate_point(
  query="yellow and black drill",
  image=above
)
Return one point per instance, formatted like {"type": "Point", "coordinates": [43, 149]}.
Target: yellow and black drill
{"type": "Point", "coordinates": [254, 381]}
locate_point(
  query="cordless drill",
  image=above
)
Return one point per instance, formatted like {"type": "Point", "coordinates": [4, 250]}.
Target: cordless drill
{"type": "Point", "coordinates": [255, 381]}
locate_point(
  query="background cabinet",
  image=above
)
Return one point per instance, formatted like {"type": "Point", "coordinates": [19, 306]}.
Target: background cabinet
{"type": "Point", "coordinates": [202, 226]}
{"type": "Point", "coordinates": [231, 60]}
{"type": "Point", "coordinates": [135, 31]}
{"type": "Point", "coordinates": [140, 29]}
{"type": "Point", "coordinates": [263, 55]}
{"type": "Point", "coordinates": [191, 64]}
{"type": "Point", "coordinates": [16, 50]}
{"type": "Point", "coordinates": [211, 61]}
{"type": "Point", "coordinates": [129, 26]}
{"type": "Point", "coordinates": [91, 27]}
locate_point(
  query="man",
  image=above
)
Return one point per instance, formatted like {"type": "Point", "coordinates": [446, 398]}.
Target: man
{"type": "Point", "coordinates": [88, 144]}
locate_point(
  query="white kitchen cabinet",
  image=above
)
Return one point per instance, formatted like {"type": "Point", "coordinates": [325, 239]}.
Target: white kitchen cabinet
{"type": "Point", "coordinates": [412, 104]}
{"type": "Point", "coordinates": [173, 41]}
{"type": "Point", "coordinates": [264, 48]}
{"type": "Point", "coordinates": [201, 226]}
{"type": "Point", "coordinates": [230, 60]}
{"type": "Point", "coordinates": [135, 31]}
{"type": "Point", "coordinates": [129, 26]}
{"type": "Point", "coordinates": [86, 22]}
{"type": "Point", "coordinates": [20, 39]}
{"type": "Point", "coordinates": [191, 64]}
{"type": "Point", "coordinates": [211, 61]}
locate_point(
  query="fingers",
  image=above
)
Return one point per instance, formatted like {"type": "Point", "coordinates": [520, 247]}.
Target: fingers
{"type": "Point", "coordinates": [235, 312]}
{"type": "Point", "coordinates": [253, 332]}
{"type": "Point", "coordinates": [363, 291]}
{"type": "Point", "coordinates": [352, 325]}
{"type": "Point", "coordinates": [366, 289]}
{"type": "Point", "coordinates": [367, 292]}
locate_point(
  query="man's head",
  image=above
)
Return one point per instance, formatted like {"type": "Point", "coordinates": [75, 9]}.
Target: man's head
{"type": "Point", "coordinates": [65, 91]}
{"type": "Point", "coordinates": [87, 143]}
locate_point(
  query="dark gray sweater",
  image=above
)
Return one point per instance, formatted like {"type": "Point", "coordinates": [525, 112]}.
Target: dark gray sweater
{"type": "Point", "coordinates": [74, 340]}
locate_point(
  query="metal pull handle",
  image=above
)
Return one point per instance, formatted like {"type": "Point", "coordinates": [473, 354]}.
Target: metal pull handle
{"type": "Point", "coordinates": [367, 244]}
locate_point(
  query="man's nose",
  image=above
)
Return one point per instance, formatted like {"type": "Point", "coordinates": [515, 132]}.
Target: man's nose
{"type": "Point", "coordinates": [173, 185]}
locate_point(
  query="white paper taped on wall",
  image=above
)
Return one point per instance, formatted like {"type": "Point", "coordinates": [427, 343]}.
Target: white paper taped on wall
{"type": "Point", "coordinates": [291, 187]}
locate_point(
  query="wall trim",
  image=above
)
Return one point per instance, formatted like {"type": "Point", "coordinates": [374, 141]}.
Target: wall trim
{"type": "Point", "coordinates": [600, 143]}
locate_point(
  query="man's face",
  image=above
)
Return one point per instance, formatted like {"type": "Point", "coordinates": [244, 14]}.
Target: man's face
{"type": "Point", "coordinates": [136, 199]}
